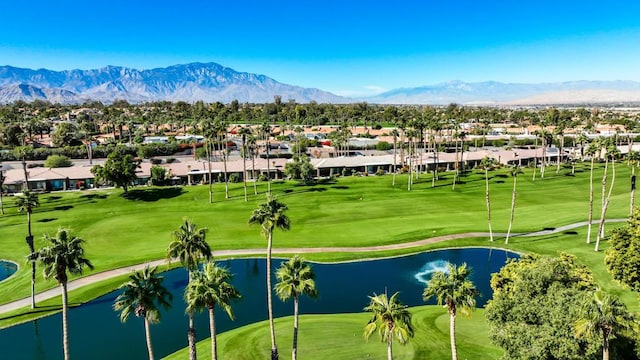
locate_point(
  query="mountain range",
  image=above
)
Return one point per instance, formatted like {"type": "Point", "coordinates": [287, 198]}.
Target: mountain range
{"type": "Point", "coordinates": [208, 82]}
{"type": "Point", "coordinates": [497, 93]}
{"type": "Point", "coordinates": [212, 82]}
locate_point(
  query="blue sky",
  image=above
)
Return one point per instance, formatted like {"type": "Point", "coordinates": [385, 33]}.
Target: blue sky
{"type": "Point", "coordinates": [349, 47]}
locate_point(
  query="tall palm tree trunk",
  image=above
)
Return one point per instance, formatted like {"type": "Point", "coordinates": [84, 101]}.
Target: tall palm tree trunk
{"type": "Point", "coordinates": [535, 161]}
{"type": "Point", "coordinates": [452, 336]}
{"type": "Point", "coordinates": [605, 347]}
{"type": "Point", "coordinates": [212, 331]}
{"type": "Point", "coordinates": [253, 173]}
{"type": "Point", "coordinates": [244, 170]}
{"type": "Point", "coordinates": [486, 180]}
{"type": "Point", "coordinates": [603, 216]}
{"type": "Point", "coordinates": [513, 208]}
{"type": "Point", "coordinates": [590, 200]}
{"type": "Point", "coordinates": [272, 330]}
{"type": "Point", "coordinates": [633, 189]}
{"type": "Point", "coordinates": [191, 333]}
{"type": "Point", "coordinates": [395, 141]}
{"type": "Point", "coordinates": [210, 174]}
{"type": "Point", "coordinates": [32, 250]}
{"type": "Point", "coordinates": [224, 161]}
{"type": "Point", "coordinates": [65, 321]}
{"type": "Point", "coordinates": [294, 349]}
{"type": "Point", "coordinates": [268, 170]}
{"type": "Point", "coordinates": [147, 333]}
{"type": "Point", "coordinates": [390, 347]}
{"type": "Point", "coordinates": [455, 166]}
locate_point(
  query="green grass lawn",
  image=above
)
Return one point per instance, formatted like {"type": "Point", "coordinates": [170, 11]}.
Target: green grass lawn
{"type": "Point", "coordinates": [353, 211]}
{"type": "Point", "coordinates": [339, 336]}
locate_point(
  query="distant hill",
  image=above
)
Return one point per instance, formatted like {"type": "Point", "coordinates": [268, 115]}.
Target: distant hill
{"type": "Point", "coordinates": [497, 93]}
{"type": "Point", "coordinates": [208, 82]}
{"type": "Point", "coordinates": [211, 82]}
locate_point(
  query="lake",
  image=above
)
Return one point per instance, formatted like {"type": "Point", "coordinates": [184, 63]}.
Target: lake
{"type": "Point", "coordinates": [95, 331]}
{"type": "Point", "coordinates": [7, 268]}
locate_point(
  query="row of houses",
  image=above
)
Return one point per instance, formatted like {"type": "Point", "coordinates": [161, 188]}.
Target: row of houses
{"type": "Point", "coordinates": [191, 172]}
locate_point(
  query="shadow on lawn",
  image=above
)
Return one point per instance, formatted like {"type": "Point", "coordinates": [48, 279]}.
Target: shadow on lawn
{"type": "Point", "coordinates": [94, 196]}
{"type": "Point", "coordinates": [47, 220]}
{"type": "Point", "coordinates": [155, 194]}
{"type": "Point", "coordinates": [63, 207]}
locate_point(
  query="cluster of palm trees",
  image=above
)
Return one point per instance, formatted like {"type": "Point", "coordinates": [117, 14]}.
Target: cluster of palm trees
{"type": "Point", "coordinates": [606, 149]}
{"type": "Point", "coordinates": [209, 287]}
{"type": "Point", "coordinates": [451, 288]}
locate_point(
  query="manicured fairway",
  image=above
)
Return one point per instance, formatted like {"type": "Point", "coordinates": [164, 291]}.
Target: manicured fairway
{"type": "Point", "coordinates": [353, 211]}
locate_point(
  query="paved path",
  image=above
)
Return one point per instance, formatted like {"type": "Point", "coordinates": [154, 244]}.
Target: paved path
{"type": "Point", "coordinates": [90, 279]}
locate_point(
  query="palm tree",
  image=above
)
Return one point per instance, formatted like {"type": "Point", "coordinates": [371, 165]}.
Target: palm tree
{"type": "Point", "coordinates": [65, 253]}
{"type": "Point", "coordinates": [395, 134]}
{"type": "Point", "coordinates": [142, 296]}
{"type": "Point", "coordinates": [270, 215]}
{"type": "Point", "coordinates": [487, 163]}
{"type": "Point", "coordinates": [613, 153]}
{"type": "Point", "coordinates": [252, 148]}
{"type": "Point", "coordinates": [633, 159]}
{"type": "Point", "coordinates": [591, 152]}
{"type": "Point", "coordinates": [295, 278]}
{"type": "Point", "coordinates": [455, 291]}
{"type": "Point", "coordinates": [208, 288]}
{"type": "Point", "coordinates": [1, 191]}
{"type": "Point", "coordinates": [391, 318]}
{"type": "Point", "coordinates": [603, 315]}
{"type": "Point", "coordinates": [244, 132]}
{"type": "Point", "coordinates": [515, 170]}
{"type": "Point", "coordinates": [188, 246]}
{"type": "Point", "coordinates": [26, 203]}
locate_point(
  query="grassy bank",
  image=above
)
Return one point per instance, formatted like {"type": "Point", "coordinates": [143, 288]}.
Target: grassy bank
{"type": "Point", "coordinates": [339, 336]}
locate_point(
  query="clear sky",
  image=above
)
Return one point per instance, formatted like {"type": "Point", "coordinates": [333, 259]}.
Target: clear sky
{"type": "Point", "coordinates": [349, 47]}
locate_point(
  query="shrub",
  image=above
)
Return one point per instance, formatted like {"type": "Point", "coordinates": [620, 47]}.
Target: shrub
{"type": "Point", "coordinates": [234, 178]}
{"type": "Point", "coordinates": [383, 146]}
{"type": "Point", "coordinates": [57, 161]}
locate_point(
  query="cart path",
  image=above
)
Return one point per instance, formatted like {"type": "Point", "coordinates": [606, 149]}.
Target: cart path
{"type": "Point", "coordinates": [93, 278]}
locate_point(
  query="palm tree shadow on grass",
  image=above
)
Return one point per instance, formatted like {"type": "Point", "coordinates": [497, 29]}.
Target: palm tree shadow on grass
{"type": "Point", "coordinates": [155, 194]}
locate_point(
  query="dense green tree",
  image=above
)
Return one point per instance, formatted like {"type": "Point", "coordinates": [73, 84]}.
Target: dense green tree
{"type": "Point", "coordinates": [189, 245]}
{"type": "Point", "coordinates": [65, 253]}
{"type": "Point", "coordinates": [26, 203]}
{"type": "Point", "coordinates": [535, 306]}
{"type": "Point", "coordinates": [118, 169]}
{"type": "Point", "coordinates": [295, 278]}
{"type": "Point", "coordinates": [11, 135]}
{"type": "Point", "coordinates": [456, 292]}
{"type": "Point", "coordinates": [158, 175]}
{"type": "Point", "coordinates": [300, 169]}
{"type": "Point", "coordinates": [391, 318]}
{"type": "Point", "coordinates": [210, 288]}
{"type": "Point", "coordinates": [270, 215]}
{"type": "Point", "coordinates": [143, 295]}
{"type": "Point", "coordinates": [622, 257]}
{"type": "Point", "coordinates": [66, 134]}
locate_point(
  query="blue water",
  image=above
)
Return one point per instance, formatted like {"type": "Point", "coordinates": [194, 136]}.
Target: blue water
{"type": "Point", "coordinates": [95, 331]}
{"type": "Point", "coordinates": [7, 268]}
